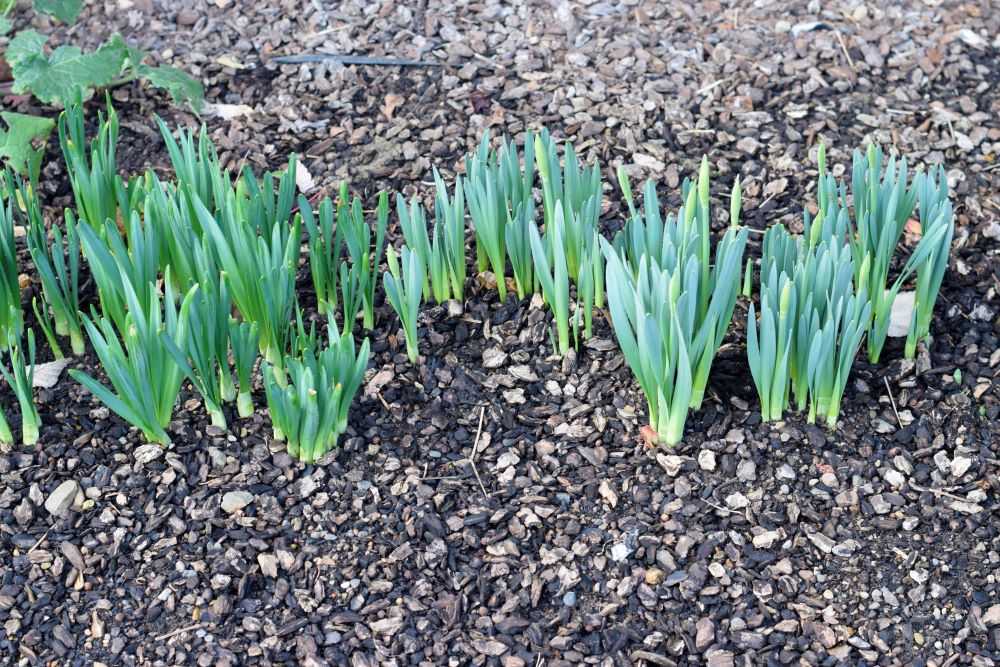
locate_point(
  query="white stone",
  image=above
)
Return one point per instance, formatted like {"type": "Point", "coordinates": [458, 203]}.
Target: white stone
{"type": "Point", "coordinates": [147, 453]}
{"type": "Point", "coordinates": [737, 501]}
{"type": "Point", "coordinates": [233, 501]}
{"type": "Point", "coordinates": [960, 465]}
{"type": "Point", "coordinates": [61, 499]}
{"type": "Point", "coordinates": [894, 477]}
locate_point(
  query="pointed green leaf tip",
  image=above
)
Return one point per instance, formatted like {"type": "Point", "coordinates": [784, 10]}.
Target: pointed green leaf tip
{"type": "Point", "coordinates": [703, 181]}
{"type": "Point", "coordinates": [543, 164]}
{"type": "Point", "coordinates": [735, 203]}
{"type": "Point", "coordinates": [786, 299]}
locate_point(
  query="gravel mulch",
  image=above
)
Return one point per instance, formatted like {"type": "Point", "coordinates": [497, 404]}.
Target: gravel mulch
{"type": "Point", "coordinates": [494, 505]}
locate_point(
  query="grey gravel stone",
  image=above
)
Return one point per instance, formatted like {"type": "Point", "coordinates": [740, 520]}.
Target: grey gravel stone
{"type": "Point", "coordinates": [960, 465]}
{"type": "Point", "coordinates": [61, 499]}
{"type": "Point", "coordinates": [785, 472]}
{"type": "Point", "coordinates": [879, 504]}
{"type": "Point", "coordinates": [234, 501]}
{"type": "Point", "coordinates": [822, 542]}
{"type": "Point", "coordinates": [704, 633]}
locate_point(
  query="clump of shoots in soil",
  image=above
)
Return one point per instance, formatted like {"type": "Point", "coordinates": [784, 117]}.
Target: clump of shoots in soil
{"type": "Point", "coordinates": [326, 243]}
{"type": "Point", "coordinates": [883, 204]}
{"type": "Point", "coordinates": [591, 274]}
{"type": "Point", "coordinates": [771, 352]}
{"type": "Point", "coordinates": [499, 191]}
{"type": "Point", "coordinates": [243, 338]}
{"type": "Point", "coordinates": [403, 285]}
{"type": "Point", "coordinates": [830, 332]}
{"type": "Point", "coordinates": [577, 191]}
{"type": "Point", "coordinates": [99, 192]}
{"type": "Point", "coordinates": [204, 358]}
{"type": "Point", "coordinates": [11, 318]}
{"type": "Point", "coordinates": [310, 412]}
{"type": "Point", "coordinates": [358, 281]}
{"type": "Point", "coordinates": [812, 319]}
{"type": "Point", "coordinates": [144, 375]}
{"type": "Point", "coordinates": [937, 221]}
{"type": "Point", "coordinates": [267, 201]}
{"type": "Point", "coordinates": [443, 253]}
{"type": "Point", "coordinates": [257, 251]}
{"type": "Point", "coordinates": [522, 262]}
{"type": "Point", "coordinates": [670, 307]}
{"type": "Point", "coordinates": [20, 377]}
{"type": "Point", "coordinates": [110, 258]}
{"type": "Point", "coordinates": [449, 215]}
{"type": "Point", "coordinates": [58, 268]}
{"type": "Point", "coordinates": [553, 275]}
{"type": "Point", "coordinates": [195, 164]}
{"type": "Point", "coordinates": [167, 214]}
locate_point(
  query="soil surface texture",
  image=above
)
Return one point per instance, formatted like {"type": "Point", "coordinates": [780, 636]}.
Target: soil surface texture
{"type": "Point", "coordinates": [495, 504]}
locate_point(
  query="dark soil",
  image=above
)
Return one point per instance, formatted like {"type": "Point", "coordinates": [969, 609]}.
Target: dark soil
{"type": "Point", "coordinates": [495, 504]}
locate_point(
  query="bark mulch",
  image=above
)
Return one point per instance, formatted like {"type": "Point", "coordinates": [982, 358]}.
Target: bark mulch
{"type": "Point", "coordinates": [495, 505]}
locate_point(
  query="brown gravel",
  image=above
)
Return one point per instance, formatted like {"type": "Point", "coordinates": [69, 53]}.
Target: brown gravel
{"type": "Point", "coordinates": [749, 544]}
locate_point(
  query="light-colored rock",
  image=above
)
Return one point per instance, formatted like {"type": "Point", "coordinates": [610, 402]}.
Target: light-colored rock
{"type": "Point", "coordinates": [671, 463]}
{"type": "Point", "coordinates": [720, 659]}
{"type": "Point", "coordinates": [234, 501]}
{"type": "Point", "coordinates": [494, 357]}
{"type": "Point", "coordinates": [737, 501]}
{"type": "Point", "coordinates": [147, 453]}
{"type": "Point", "coordinates": [490, 647]}
{"type": "Point", "coordinates": [785, 472]}
{"type": "Point", "coordinates": [960, 465]}
{"type": "Point", "coordinates": [766, 539]}
{"type": "Point", "coordinates": [47, 375]}
{"type": "Point", "coordinates": [895, 478]}
{"type": "Point", "coordinates": [620, 552]}
{"type": "Point", "coordinates": [746, 471]}
{"type": "Point", "coordinates": [822, 542]}
{"type": "Point", "coordinates": [61, 499]}
{"type": "Point", "coordinates": [608, 493]}
{"type": "Point", "coordinates": [387, 626]}
{"type": "Point", "coordinates": [992, 615]}
{"type": "Point", "coordinates": [268, 564]}
{"type": "Point", "coordinates": [943, 462]}
{"type": "Point", "coordinates": [825, 634]}
{"type": "Point", "coordinates": [879, 504]}
{"type": "Point", "coordinates": [706, 460]}
{"type": "Point", "coordinates": [704, 633]}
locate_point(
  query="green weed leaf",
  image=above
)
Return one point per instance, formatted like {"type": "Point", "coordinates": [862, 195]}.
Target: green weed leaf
{"type": "Point", "coordinates": [18, 142]}
{"type": "Point", "coordinates": [181, 87]}
{"type": "Point", "coordinates": [65, 10]}
{"type": "Point", "coordinates": [67, 72]}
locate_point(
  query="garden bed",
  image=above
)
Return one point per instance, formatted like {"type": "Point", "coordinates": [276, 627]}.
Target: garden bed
{"type": "Point", "coordinates": [495, 504]}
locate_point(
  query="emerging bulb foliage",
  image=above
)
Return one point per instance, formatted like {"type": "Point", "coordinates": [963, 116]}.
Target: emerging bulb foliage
{"type": "Point", "coordinates": [669, 305]}
{"type": "Point", "coordinates": [196, 277]}
{"type": "Point", "coordinates": [834, 285]}
{"type": "Point", "coordinates": [310, 411]}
